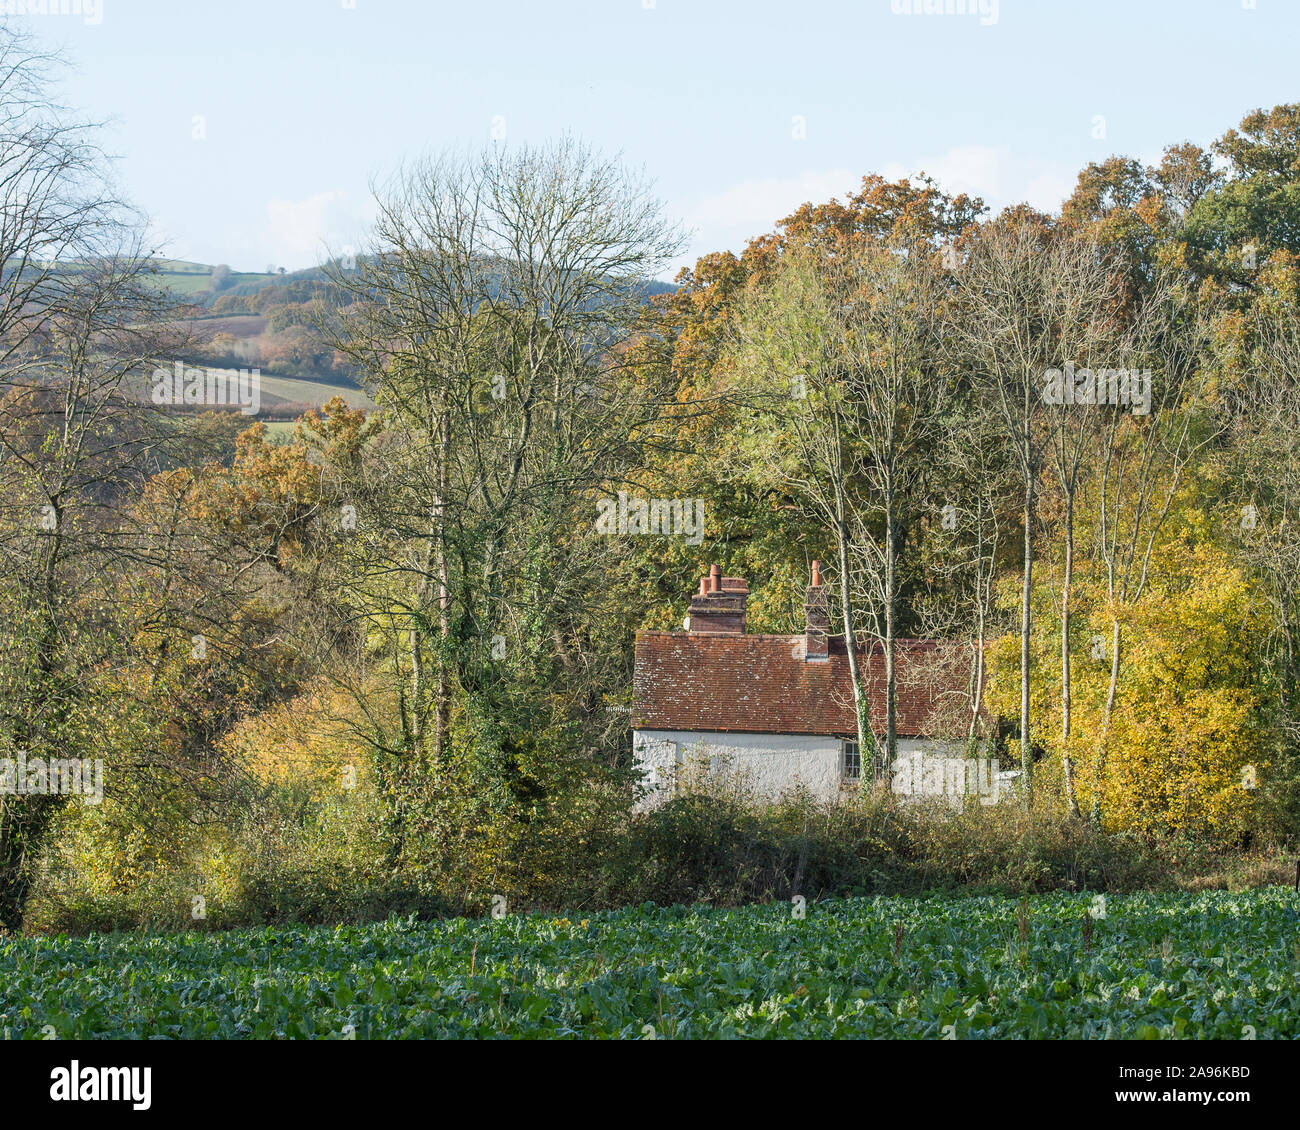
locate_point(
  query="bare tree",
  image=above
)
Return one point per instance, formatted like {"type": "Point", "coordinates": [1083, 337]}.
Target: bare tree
{"type": "Point", "coordinates": [1143, 457]}
{"type": "Point", "coordinates": [77, 325]}
{"type": "Point", "coordinates": [1092, 346]}
{"type": "Point", "coordinates": [788, 371]}
{"type": "Point", "coordinates": [490, 315]}
{"type": "Point", "coordinates": [1027, 298]}
{"type": "Point", "coordinates": [76, 446]}
{"type": "Point", "coordinates": [1264, 509]}
{"type": "Point", "coordinates": [56, 203]}
{"type": "Point", "coordinates": [885, 344]}
{"type": "Point", "coordinates": [979, 489]}
{"type": "Point", "coordinates": [1266, 443]}
{"type": "Point", "coordinates": [843, 354]}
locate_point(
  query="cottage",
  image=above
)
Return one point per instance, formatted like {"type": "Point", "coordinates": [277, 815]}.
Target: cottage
{"type": "Point", "coordinates": [778, 709]}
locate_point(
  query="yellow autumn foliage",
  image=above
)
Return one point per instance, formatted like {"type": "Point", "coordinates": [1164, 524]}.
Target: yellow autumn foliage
{"type": "Point", "coordinates": [1187, 742]}
{"type": "Point", "coordinates": [1187, 748]}
{"type": "Point", "coordinates": [308, 743]}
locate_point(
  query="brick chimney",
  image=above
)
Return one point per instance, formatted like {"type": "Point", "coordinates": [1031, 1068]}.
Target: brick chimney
{"type": "Point", "coordinates": [719, 606]}
{"type": "Point", "coordinates": [817, 617]}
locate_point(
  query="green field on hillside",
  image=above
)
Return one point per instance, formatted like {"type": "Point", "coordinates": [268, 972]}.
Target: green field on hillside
{"type": "Point", "coordinates": [184, 278]}
{"type": "Point", "coordinates": [1151, 966]}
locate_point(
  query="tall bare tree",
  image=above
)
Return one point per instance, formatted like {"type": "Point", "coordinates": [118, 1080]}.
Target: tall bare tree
{"type": "Point", "coordinates": [977, 488]}
{"type": "Point", "coordinates": [490, 314]}
{"type": "Point", "coordinates": [843, 351]}
{"type": "Point", "coordinates": [1028, 298]}
{"type": "Point", "coordinates": [1092, 342]}
{"type": "Point", "coordinates": [77, 325]}
{"type": "Point", "coordinates": [1142, 460]}
{"type": "Point", "coordinates": [787, 370]}
{"type": "Point", "coordinates": [885, 339]}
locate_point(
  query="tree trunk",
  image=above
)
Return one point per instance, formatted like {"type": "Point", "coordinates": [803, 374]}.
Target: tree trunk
{"type": "Point", "coordinates": [891, 696]}
{"type": "Point", "coordinates": [1026, 623]}
{"type": "Point", "coordinates": [865, 741]}
{"type": "Point", "coordinates": [1067, 763]}
{"type": "Point", "coordinates": [23, 823]}
{"type": "Point", "coordinates": [977, 695]}
{"type": "Point", "coordinates": [1099, 760]}
{"type": "Point", "coordinates": [442, 688]}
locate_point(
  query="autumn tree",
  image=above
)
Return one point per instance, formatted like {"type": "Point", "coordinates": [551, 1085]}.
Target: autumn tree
{"type": "Point", "coordinates": [490, 317]}
{"type": "Point", "coordinates": [1140, 464]}
{"type": "Point", "coordinates": [1029, 299]}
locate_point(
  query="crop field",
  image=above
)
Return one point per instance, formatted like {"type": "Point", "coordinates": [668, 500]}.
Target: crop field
{"type": "Point", "coordinates": [1150, 966]}
{"type": "Point", "coordinates": [295, 390]}
{"type": "Point", "coordinates": [274, 391]}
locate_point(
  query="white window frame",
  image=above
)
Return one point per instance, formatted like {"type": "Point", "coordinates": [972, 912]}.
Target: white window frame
{"type": "Point", "coordinates": [850, 753]}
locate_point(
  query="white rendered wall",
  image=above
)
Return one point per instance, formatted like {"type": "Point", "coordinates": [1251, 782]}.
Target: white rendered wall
{"type": "Point", "coordinates": [770, 764]}
{"type": "Point", "coordinates": [767, 764]}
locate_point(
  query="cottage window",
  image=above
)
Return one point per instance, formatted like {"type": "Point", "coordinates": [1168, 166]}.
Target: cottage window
{"type": "Point", "coordinates": [850, 760]}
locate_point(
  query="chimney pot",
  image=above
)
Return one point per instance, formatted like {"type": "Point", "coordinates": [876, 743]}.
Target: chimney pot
{"type": "Point", "coordinates": [719, 606]}
{"type": "Point", "coordinates": [818, 620]}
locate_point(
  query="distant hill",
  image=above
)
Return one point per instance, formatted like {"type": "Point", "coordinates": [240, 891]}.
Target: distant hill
{"type": "Point", "coordinates": [195, 281]}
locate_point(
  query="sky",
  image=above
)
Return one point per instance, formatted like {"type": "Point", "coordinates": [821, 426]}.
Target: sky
{"type": "Point", "coordinates": [250, 132]}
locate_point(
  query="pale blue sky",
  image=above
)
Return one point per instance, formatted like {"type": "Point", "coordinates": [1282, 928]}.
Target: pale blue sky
{"type": "Point", "coordinates": [304, 100]}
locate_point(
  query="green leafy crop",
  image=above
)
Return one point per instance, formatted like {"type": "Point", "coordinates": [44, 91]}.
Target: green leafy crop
{"type": "Point", "coordinates": [1152, 966]}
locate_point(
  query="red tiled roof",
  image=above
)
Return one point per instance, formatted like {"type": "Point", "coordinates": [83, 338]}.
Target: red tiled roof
{"type": "Point", "coordinates": [763, 685]}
